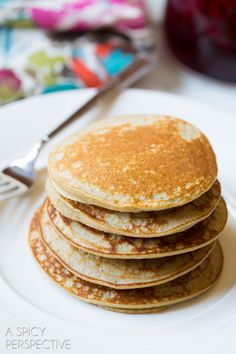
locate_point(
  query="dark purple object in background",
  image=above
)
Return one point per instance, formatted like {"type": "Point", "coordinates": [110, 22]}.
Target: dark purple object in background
{"type": "Point", "coordinates": [202, 35]}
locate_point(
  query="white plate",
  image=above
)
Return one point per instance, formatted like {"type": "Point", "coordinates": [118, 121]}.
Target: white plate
{"type": "Point", "coordinates": [28, 296]}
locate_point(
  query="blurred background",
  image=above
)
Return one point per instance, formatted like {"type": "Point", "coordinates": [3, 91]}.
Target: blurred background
{"type": "Point", "coordinates": [54, 45]}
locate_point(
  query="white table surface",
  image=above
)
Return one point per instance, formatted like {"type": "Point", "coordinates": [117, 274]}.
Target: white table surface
{"type": "Point", "coordinates": [171, 76]}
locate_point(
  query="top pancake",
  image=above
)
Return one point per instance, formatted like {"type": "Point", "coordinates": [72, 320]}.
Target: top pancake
{"type": "Point", "coordinates": [134, 163]}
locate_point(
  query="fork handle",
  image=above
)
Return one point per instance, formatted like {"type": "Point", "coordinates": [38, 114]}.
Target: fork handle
{"type": "Point", "coordinates": [135, 71]}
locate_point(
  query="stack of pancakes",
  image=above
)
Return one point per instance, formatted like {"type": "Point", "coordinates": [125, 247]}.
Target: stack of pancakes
{"type": "Point", "coordinates": [133, 214]}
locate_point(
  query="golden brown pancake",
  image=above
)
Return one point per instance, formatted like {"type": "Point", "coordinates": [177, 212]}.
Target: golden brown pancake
{"type": "Point", "coordinates": [135, 311]}
{"type": "Point", "coordinates": [183, 288]}
{"type": "Point", "coordinates": [118, 273]}
{"type": "Point", "coordinates": [143, 224]}
{"type": "Point", "coordinates": [134, 163]}
{"type": "Point", "coordinates": [116, 246]}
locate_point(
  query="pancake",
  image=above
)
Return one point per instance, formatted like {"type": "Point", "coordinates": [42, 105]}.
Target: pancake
{"type": "Point", "coordinates": [143, 224]}
{"type": "Point", "coordinates": [134, 163]}
{"type": "Point", "coordinates": [135, 311]}
{"type": "Point", "coordinates": [116, 246]}
{"type": "Point", "coordinates": [183, 288]}
{"type": "Point", "coordinates": [118, 273]}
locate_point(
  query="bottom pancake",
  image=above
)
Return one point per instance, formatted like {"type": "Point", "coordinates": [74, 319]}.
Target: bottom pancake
{"type": "Point", "coordinates": [183, 288]}
{"type": "Point", "coordinates": [135, 311]}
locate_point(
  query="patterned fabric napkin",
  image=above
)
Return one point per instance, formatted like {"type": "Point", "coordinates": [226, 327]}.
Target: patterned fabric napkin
{"type": "Point", "coordinates": [37, 56]}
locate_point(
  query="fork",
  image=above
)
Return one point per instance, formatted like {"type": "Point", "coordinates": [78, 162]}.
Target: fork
{"type": "Point", "coordinates": [19, 176]}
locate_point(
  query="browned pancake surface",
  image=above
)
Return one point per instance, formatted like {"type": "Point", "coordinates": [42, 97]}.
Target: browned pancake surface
{"type": "Point", "coordinates": [135, 163]}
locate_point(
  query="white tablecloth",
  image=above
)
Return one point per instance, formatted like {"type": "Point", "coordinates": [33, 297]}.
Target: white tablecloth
{"type": "Point", "coordinates": [171, 76]}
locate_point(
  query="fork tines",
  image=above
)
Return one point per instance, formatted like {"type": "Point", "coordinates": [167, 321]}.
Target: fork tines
{"type": "Point", "coordinates": [10, 186]}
